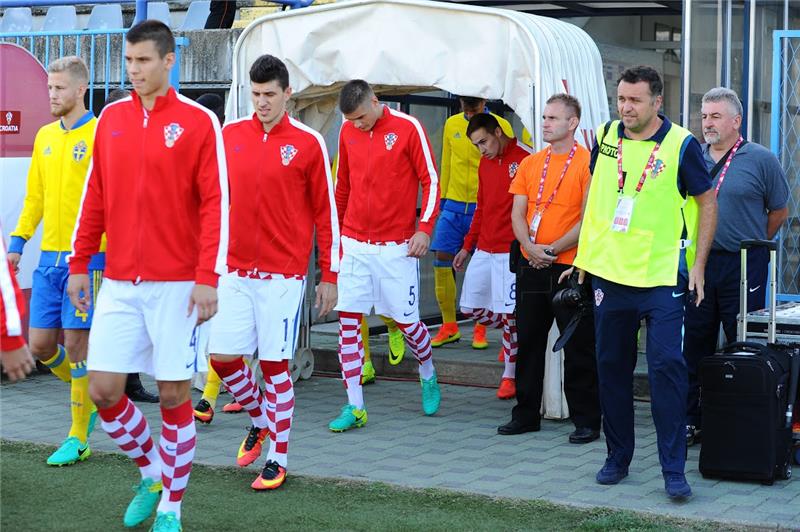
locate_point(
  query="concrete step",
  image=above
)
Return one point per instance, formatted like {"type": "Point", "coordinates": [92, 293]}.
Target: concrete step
{"type": "Point", "coordinates": [456, 363]}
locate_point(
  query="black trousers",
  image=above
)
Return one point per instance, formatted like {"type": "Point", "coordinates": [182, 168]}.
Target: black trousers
{"type": "Point", "coordinates": [221, 15]}
{"type": "Point", "coordinates": [535, 314]}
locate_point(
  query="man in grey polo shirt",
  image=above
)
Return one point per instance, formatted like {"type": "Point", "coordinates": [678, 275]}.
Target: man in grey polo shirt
{"type": "Point", "coordinates": [752, 192]}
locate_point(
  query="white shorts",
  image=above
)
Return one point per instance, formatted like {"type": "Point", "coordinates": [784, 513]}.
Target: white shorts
{"type": "Point", "coordinates": [261, 314]}
{"type": "Point", "coordinates": [489, 284]}
{"type": "Point", "coordinates": [144, 328]}
{"type": "Point", "coordinates": [380, 276]}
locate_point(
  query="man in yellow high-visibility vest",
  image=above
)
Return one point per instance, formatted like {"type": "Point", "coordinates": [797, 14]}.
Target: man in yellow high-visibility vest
{"type": "Point", "coordinates": [646, 233]}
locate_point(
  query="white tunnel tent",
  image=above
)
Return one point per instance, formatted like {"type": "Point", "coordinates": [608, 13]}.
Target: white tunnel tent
{"type": "Point", "coordinates": [411, 46]}
{"type": "Point", "coordinates": [408, 46]}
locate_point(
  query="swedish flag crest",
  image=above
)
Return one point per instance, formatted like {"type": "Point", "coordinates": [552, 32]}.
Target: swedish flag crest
{"type": "Point", "coordinates": [79, 151]}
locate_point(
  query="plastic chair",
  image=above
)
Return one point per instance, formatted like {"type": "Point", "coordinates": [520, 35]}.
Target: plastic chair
{"type": "Point", "coordinates": [196, 16]}
{"type": "Point", "coordinates": [60, 18]}
{"type": "Point", "coordinates": [105, 17]}
{"type": "Point", "coordinates": [17, 20]}
{"type": "Point", "coordinates": [159, 11]}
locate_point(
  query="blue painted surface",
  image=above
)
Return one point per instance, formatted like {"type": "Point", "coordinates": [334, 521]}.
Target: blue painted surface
{"type": "Point", "coordinates": [779, 38]}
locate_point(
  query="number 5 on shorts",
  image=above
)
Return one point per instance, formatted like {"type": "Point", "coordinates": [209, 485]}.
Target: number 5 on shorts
{"type": "Point", "coordinates": [412, 295]}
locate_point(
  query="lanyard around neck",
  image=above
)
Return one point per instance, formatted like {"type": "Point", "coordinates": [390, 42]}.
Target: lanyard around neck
{"type": "Point", "coordinates": [648, 167]}
{"type": "Point", "coordinates": [560, 179]}
{"type": "Point", "coordinates": [724, 170]}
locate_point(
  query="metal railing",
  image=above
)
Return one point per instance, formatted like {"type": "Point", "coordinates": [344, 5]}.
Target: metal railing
{"type": "Point", "coordinates": [785, 144]}
{"type": "Point", "coordinates": [52, 41]}
{"type": "Point", "coordinates": [64, 47]}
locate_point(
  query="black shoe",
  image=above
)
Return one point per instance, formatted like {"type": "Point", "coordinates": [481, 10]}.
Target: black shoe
{"type": "Point", "coordinates": [41, 369]}
{"type": "Point", "coordinates": [517, 427]}
{"type": "Point", "coordinates": [692, 435]}
{"type": "Point", "coordinates": [584, 435]}
{"type": "Point", "coordinates": [141, 395]}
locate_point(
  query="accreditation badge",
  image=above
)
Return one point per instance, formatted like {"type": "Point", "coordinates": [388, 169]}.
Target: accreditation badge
{"type": "Point", "coordinates": [622, 214]}
{"type": "Point", "coordinates": [535, 221]}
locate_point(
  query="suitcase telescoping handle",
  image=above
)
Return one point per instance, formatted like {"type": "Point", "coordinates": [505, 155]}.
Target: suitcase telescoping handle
{"type": "Point", "coordinates": [748, 348]}
{"type": "Point", "coordinates": [772, 246]}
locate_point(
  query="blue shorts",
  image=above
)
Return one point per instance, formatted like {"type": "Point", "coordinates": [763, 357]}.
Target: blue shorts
{"type": "Point", "coordinates": [452, 226]}
{"type": "Point", "coordinates": [50, 304]}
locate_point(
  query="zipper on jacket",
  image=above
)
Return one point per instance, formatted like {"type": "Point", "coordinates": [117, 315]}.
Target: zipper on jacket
{"type": "Point", "coordinates": [368, 187]}
{"type": "Point", "coordinates": [258, 201]}
{"type": "Point", "coordinates": [139, 198]}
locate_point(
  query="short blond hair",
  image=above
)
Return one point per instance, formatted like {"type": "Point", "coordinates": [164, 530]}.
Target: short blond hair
{"type": "Point", "coordinates": [73, 65]}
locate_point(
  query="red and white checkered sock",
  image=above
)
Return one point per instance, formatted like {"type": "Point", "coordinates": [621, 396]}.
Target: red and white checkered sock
{"type": "Point", "coordinates": [176, 446]}
{"type": "Point", "coordinates": [485, 317]}
{"type": "Point", "coordinates": [509, 345]}
{"type": "Point", "coordinates": [279, 393]}
{"type": "Point", "coordinates": [240, 381]}
{"type": "Point", "coordinates": [419, 341]}
{"type": "Point", "coordinates": [351, 356]}
{"type": "Point", "coordinates": [126, 425]}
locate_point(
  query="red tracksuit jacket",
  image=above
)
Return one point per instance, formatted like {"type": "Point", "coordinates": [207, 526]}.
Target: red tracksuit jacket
{"type": "Point", "coordinates": [158, 188]}
{"type": "Point", "coordinates": [281, 188]}
{"type": "Point", "coordinates": [491, 227]}
{"type": "Point", "coordinates": [378, 179]}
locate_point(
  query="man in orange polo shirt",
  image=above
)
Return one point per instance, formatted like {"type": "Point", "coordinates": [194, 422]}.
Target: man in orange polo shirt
{"type": "Point", "coordinates": [549, 190]}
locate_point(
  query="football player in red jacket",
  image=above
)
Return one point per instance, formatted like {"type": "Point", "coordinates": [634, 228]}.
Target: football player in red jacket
{"type": "Point", "coordinates": [158, 188]}
{"type": "Point", "coordinates": [281, 191]}
{"type": "Point", "coordinates": [384, 159]}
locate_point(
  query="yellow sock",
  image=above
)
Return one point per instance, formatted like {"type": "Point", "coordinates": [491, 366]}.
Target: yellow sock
{"type": "Point", "coordinates": [390, 323]}
{"type": "Point", "coordinates": [59, 364]}
{"type": "Point", "coordinates": [365, 338]}
{"type": "Point", "coordinates": [211, 390]}
{"type": "Point", "coordinates": [81, 406]}
{"type": "Point", "coordinates": [445, 285]}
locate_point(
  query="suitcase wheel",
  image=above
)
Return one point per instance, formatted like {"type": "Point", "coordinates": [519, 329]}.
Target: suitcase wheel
{"type": "Point", "coordinates": [769, 482]}
{"type": "Point", "coordinates": [786, 473]}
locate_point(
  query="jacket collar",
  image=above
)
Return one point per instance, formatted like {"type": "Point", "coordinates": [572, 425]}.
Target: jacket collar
{"type": "Point", "coordinates": [161, 101]}
{"type": "Point", "coordinates": [385, 114]}
{"type": "Point", "coordinates": [282, 124]}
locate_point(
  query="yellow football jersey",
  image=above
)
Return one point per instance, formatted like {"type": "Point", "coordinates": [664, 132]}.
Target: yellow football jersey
{"type": "Point", "coordinates": [56, 176]}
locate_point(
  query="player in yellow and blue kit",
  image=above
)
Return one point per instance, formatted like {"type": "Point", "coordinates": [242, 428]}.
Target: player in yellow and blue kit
{"type": "Point", "coordinates": [459, 184]}
{"type": "Point", "coordinates": [62, 153]}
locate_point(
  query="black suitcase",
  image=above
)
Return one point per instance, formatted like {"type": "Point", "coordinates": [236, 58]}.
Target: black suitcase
{"type": "Point", "coordinates": [747, 397]}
